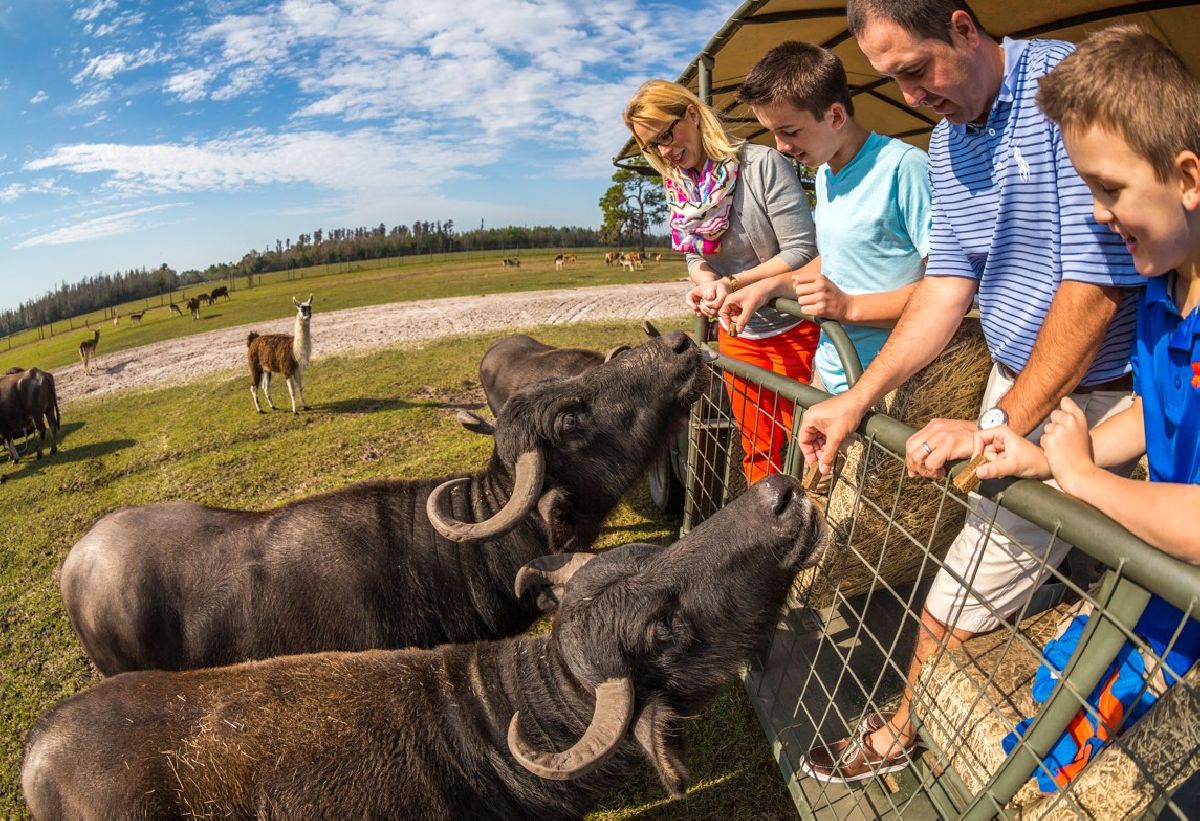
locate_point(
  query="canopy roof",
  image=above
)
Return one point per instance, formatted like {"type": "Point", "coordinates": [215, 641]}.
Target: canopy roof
{"type": "Point", "coordinates": [759, 25]}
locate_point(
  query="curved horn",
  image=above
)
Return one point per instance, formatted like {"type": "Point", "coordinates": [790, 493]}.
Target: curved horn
{"type": "Point", "coordinates": [553, 571]}
{"type": "Point", "coordinates": [611, 355]}
{"type": "Point", "coordinates": [475, 423]}
{"type": "Point", "coordinates": [614, 709]}
{"type": "Point", "coordinates": [650, 330]}
{"type": "Point", "coordinates": [527, 486]}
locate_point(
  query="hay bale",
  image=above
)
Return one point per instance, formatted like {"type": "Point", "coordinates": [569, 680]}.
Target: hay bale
{"type": "Point", "coordinates": [913, 513]}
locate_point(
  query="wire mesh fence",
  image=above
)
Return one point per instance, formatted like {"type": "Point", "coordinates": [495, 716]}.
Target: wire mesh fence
{"type": "Point", "coordinates": [994, 736]}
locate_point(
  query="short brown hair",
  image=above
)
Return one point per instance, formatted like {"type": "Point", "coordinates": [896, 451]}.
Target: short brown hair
{"type": "Point", "coordinates": [1130, 83]}
{"type": "Point", "coordinates": [809, 77]}
{"type": "Point", "coordinates": [926, 19]}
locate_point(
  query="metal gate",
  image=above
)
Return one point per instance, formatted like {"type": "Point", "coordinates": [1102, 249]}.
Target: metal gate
{"type": "Point", "coordinates": [841, 650]}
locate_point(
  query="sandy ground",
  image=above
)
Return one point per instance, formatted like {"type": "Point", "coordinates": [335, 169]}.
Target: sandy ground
{"type": "Point", "coordinates": [179, 360]}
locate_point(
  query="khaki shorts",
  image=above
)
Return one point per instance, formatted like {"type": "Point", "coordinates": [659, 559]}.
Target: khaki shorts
{"type": "Point", "coordinates": [999, 556]}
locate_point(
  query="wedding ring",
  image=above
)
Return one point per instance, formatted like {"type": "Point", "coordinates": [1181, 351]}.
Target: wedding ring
{"type": "Point", "coordinates": [928, 450]}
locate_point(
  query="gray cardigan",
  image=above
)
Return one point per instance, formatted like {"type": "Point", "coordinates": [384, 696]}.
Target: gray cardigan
{"type": "Point", "coordinates": [770, 217]}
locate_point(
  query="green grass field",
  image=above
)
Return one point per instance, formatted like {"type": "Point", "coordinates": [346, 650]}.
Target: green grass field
{"type": "Point", "coordinates": [336, 287]}
{"type": "Point", "coordinates": [389, 413]}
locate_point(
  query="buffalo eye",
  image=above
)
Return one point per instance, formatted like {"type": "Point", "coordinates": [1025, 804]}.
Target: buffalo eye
{"type": "Point", "coordinates": [569, 422]}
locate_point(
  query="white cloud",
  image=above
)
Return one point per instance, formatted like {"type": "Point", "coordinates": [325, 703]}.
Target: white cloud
{"type": "Point", "coordinates": [110, 225]}
{"type": "Point", "coordinates": [14, 191]}
{"type": "Point", "coordinates": [87, 13]}
{"type": "Point", "coordinates": [108, 65]}
{"type": "Point", "coordinates": [189, 86]}
{"type": "Point", "coordinates": [365, 159]}
{"type": "Point", "coordinates": [40, 97]}
{"type": "Point", "coordinates": [505, 69]}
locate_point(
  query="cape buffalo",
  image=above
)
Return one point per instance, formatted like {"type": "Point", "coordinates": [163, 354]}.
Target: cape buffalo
{"type": "Point", "coordinates": [28, 402]}
{"type": "Point", "coordinates": [379, 564]}
{"type": "Point", "coordinates": [531, 727]}
{"type": "Point", "coordinates": [515, 361]}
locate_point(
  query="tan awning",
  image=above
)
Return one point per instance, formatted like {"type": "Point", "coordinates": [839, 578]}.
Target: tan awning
{"type": "Point", "coordinates": [759, 25]}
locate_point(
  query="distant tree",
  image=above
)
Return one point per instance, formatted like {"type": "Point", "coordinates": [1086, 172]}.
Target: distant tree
{"type": "Point", "coordinates": [631, 205]}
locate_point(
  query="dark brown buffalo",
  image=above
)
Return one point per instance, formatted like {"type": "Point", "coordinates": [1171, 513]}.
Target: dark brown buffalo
{"type": "Point", "coordinates": [28, 402]}
{"type": "Point", "coordinates": [531, 727]}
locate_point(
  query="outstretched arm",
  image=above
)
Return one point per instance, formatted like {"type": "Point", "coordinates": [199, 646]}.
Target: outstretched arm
{"type": "Point", "coordinates": [930, 318]}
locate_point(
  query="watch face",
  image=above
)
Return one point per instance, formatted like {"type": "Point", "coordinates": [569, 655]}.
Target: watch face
{"type": "Point", "coordinates": [993, 418]}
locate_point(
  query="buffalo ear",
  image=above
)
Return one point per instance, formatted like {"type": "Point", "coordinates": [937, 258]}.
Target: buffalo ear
{"type": "Point", "coordinates": [556, 513]}
{"type": "Point", "coordinates": [659, 733]}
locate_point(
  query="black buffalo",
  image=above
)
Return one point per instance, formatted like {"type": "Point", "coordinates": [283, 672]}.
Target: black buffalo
{"type": "Point", "coordinates": [531, 727]}
{"type": "Point", "coordinates": [380, 564]}
{"type": "Point", "coordinates": [28, 402]}
{"type": "Point", "coordinates": [515, 361]}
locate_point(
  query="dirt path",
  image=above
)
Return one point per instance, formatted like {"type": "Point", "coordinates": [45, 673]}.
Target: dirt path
{"type": "Point", "coordinates": [179, 360]}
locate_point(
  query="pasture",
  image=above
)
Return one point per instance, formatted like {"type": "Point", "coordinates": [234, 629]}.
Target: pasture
{"type": "Point", "coordinates": [337, 287]}
{"type": "Point", "coordinates": [387, 413]}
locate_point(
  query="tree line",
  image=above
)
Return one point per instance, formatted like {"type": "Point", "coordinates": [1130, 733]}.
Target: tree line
{"type": "Point", "coordinates": [320, 247]}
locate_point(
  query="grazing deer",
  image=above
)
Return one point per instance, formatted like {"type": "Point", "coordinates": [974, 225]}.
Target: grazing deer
{"type": "Point", "coordinates": [512, 262]}
{"type": "Point", "coordinates": [87, 349]}
{"type": "Point", "coordinates": [136, 318]}
{"type": "Point", "coordinates": [193, 305]}
{"type": "Point", "coordinates": [175, 309]}
{"type": "Point", "coordinates": [570, 258]}
{"type": "Point", "coordinates": [280, 353]}
{"type": "Point", "coordinates": [610, 258]}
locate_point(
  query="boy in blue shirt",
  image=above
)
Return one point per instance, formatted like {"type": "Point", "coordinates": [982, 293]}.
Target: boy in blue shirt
{"type": "Point", "coordinates": [1129, 111]}
{"type": "Point", "coordinates": [873, 206]}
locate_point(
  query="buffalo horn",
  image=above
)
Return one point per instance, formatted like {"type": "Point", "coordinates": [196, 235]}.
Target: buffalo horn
{"type": "Point", "coordinates": [615, 352]}
{"type": "Point", "coordinates": [527, 486]}
{"type": "Point", "coordinates": [554, 571]}
{"type": "Point", "coordinates": [614, 709]}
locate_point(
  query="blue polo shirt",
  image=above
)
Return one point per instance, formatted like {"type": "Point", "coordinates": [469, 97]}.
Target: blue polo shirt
{"type": "Point", "coordinates": [1166, 375]}
{"type": "Point", "coordinates": [1010, 212]}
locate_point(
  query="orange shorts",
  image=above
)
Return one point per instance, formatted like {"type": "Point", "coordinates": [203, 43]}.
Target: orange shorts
{"type": "Point", "coordinates": [764, 418]}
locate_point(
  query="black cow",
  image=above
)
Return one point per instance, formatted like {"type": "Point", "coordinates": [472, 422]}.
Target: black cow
{"type": "Point", "coordinates": [28, 402]}
{"type": "Point", "coordinates": [644, 637]}
{"type": "Point", "coordinates": [379, 564]}
{"type": "Point", "coordinates": [519, 360]}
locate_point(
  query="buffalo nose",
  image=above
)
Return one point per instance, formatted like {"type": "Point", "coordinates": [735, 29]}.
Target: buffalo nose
{"type": "Point", "coordinates": [778, 492]}
{"type": "Point", "coordinates": [678, 341]}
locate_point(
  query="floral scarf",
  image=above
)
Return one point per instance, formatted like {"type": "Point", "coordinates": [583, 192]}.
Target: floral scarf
{"type": "Point", "coordinates": [700, 206]}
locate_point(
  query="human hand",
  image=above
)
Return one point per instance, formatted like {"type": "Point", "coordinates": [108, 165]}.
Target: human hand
{"type": "Point", "coordinates": [739, 306]}
{"type": "Point", "coordinates": [941, 441]}
{"type": "Point", "coordinates": [1009, 454]}
{"type": "Point", "coordinates": [1068, 447]}
{"type": "Point", "coordinates": [706, 298]}
{"type": "Point", "coordinates": [819, 296]}
{"type": "Point", "coordinates": [825, 426]}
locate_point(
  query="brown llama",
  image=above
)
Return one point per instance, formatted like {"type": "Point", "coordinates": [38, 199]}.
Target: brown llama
{"type": "Point", "coordinates": [218, 292]}
{"type": "Point", "coordinates": [87, 349]}
{"type": "Point", "coordinates": [280, 353]}
{"type": "Point", "coordinates": [193, 305]}
{"type": "Point", "coordinates": [175, 309]}
{"type": "Point", "coordinates": [136, 319]}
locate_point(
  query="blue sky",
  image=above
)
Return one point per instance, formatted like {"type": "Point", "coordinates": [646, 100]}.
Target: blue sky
{"type": "Point", "coordinates": [138, 132]}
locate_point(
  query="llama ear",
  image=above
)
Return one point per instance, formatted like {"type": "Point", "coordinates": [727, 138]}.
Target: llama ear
{"type": "Point", "coordinates": [296, 302]}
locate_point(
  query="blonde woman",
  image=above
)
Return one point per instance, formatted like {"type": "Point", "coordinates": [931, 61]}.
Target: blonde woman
{"type": "Point", "coordinates": [739, 213]}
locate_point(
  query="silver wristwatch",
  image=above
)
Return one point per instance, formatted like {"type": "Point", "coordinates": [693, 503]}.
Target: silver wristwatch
{"type": "Point", "coordinates": [993, 418]}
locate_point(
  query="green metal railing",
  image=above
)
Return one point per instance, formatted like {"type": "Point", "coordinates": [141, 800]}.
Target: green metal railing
{"type": "Point", "coordinates": [809, 685]}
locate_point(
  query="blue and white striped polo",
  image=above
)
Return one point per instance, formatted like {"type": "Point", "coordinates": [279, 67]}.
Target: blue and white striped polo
{"type": "Point", "coordinates": [1010, 211]}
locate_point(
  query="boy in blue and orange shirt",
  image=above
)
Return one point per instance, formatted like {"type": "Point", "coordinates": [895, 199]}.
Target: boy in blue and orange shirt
{"type": "Point", "coordinates": [1129, 111]}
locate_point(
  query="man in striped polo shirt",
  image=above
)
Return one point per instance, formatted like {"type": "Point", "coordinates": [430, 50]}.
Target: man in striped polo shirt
{"type": "Point", "coordinates": [1012, 229]}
